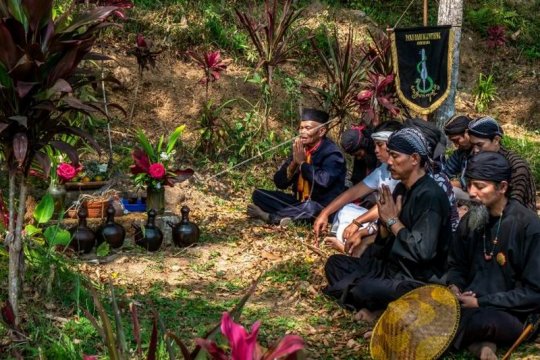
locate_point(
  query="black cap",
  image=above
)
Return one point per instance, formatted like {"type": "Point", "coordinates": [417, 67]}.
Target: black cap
{"type": "Point", "coordinates": [314, 115]}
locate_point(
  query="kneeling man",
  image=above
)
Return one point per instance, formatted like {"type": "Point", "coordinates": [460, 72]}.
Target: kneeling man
{"type": "Point", "coordinates": [494, 262]}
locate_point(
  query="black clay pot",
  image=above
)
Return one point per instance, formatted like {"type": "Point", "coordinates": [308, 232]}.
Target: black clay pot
{"type": "Point", "coordinates": [152, 237]}
{"type": "Point", "coordinates": [111, 232]}
{"type": "Point", "coordinates": [185, 233]}
{"type": "Point", "coordinates": [83, 239]}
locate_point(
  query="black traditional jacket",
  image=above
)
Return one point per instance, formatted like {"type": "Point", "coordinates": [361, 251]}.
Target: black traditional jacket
{"type": "Point", "coordinates": [511, 279]}
{"type": "Point", "coordinates": [326, 173]}
{"type": "Point", "coordinates": [419, 250]}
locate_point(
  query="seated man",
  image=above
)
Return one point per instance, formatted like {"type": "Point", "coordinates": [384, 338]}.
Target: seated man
{"type": "Point", "coordinates": [485, 135]}
{"type": "Point", "coordinates": [494, 266]}
{"type": "Point", "coordinates": [367, 186]}
{"type": "Point", "coordinates": [455, 165]}
{"type": "Point", "coordinates": [358, 143]}
{"type": "Point", "coordinates": [413, 237]}
{"type": "Point", "coordinates": [316, 172]}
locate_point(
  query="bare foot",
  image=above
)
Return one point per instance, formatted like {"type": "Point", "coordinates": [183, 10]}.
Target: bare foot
{"type": "Point", "coordinates": [334, 243]}
{"type": "Point", "coordinates": [484, 350]}
{"type": "Point", "coordinates": [256, 212]}
{"type": "Point", "coordinates": [367, 315]}
{"type": "Point", "coordinates": [367, 335]}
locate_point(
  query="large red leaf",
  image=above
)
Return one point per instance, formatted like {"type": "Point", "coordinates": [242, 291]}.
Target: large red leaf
{"type": "Point", "coordinates": [69, 150]}
{"type": "Point", "coordinates": [8, 50]}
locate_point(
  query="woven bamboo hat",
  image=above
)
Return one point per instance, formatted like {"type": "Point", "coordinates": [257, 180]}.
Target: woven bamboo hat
{"type": "Point", "coordinates": [419, 325]}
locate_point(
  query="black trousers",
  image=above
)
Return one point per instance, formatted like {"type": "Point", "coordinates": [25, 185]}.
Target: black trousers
{"type": "Point", "coordinates": [281, 205]}
{"type": "Point", "coordinates": [487, 325]}
{"type": "Point", "coordinates": [362, 282]}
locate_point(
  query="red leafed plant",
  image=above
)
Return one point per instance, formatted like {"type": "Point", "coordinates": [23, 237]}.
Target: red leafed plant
{"type": "Point", "coordinates": [244, 345]}
{"type": "Point", "coordinates": [378, 98]}
{"type": "Point", "coordinates": [146, 57]}
{"type": "Point", "coordinates": [496, 37]}
{"type": "Point", "coordinates": [212, 64]}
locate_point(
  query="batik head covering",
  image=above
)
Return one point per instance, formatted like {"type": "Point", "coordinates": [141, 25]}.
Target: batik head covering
{"type": "Point", "coordinates": [485, 127]}
{"type": "Point", "coordinates": [490, 166]}
{"type": "Point", "coordinates": [457, 125]}
{"type": "Point", "coordinates": [356, 138]}
{"type": "Point", "coordinates": [314, 115]}
{"type": "Point", "coordinates": [434, 137]}
{"type": "Point", "coordinates": [409, 141]}
{"type": "Point", "coordinates": [420, 325]}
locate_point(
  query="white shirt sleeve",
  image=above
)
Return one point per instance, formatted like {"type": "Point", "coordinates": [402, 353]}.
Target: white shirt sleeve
{"type": "Point", "coordinates": [373, 180]}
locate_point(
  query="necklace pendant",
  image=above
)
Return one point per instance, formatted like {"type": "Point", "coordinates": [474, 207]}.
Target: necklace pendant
{"type": "Point", "coordinates": [488, 257]}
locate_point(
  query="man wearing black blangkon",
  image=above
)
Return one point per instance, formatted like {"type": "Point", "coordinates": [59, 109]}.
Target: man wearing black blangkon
{"type": "Point", "coordinates": [494, 262]}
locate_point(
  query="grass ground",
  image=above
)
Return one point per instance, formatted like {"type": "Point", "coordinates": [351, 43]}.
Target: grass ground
{"type": "Point", "coordinates": [190, 288]}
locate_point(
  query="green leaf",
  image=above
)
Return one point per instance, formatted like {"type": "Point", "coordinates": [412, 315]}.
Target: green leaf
{"type": "Point", "coordinates": [147, 147]}
{"type": "Point", "coordinates": [16, 10]}
{"type": "Point", "coordinates": [55, 235]}
{"type": "Point", "coordinates": [160, 144]}
{"type": "Point", "coordinates": [31, 230]}
{"type": "Point", "coordinates": [45, 209]}
{"type": "Point", "coordinates": [5, 79]}
{"type": "Point", "coordinates": [174, 138]}
{"type": "Point", "coordinates": [103, 249]}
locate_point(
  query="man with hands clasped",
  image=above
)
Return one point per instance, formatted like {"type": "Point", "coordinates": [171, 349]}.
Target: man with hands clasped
{"type": "Point", "coordinates": [412, 242]}
{"type": "Point", "coordinates": [315, 172]}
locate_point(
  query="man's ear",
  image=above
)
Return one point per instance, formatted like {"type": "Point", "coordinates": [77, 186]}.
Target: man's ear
{"type": "Point", "coordinates": [503, 187]}
{"type": "Point", "coordinates": [497, 139]}
{"type": "Point", "coordinates": [416, 158]}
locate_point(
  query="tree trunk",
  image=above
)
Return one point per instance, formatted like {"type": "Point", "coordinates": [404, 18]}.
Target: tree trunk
{"type": "Point", "coordinates": [450, 13]}
{"type": "Point", "coordinates": [16, 256]}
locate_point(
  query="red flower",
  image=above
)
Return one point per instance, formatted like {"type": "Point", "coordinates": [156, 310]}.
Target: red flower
{"type": "Point", "coordinates": [66, 171]}
{"type": "Point", "coordinates": [211, 63]}
{"type": "Point", "coordinates": [157, 171]}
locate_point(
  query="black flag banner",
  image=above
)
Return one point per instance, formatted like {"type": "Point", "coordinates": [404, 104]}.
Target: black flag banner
{"type": "Point", "coordinates": [422, 59]}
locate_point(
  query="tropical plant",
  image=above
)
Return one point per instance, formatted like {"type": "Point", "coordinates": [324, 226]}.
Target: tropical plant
{"type": "Point", "coordinates": [484, 92]}
{"type": "Point", "coordinates": [213, 129]}
{"type": "Point", "coordinates": [273, 36]}
{"type": "Point", "coordinates": [244, 346]}
{"type": "Point", "coordinates": [146, 56]}
{"type": "Point", "coordinates": [377, 101]}
{"type": "Point", "coordinates": [153, 164]}
{"type": "Point", "coordinates": [496, 37]}
{"type": "Point", "coordinates": [344, 73]}
{"type": "Point", "coordinates": [212, 65]}
{"type": "Point", "coordinates": [39, 58]}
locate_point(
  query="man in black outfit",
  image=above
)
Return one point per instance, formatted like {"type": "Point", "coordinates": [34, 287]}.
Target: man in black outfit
{"type": "Point", "coordinates": [413, 238]}
{"type": "Point", "coordinates": [494, 263]}
{"type": "Point", "coordinates": [315, 171]}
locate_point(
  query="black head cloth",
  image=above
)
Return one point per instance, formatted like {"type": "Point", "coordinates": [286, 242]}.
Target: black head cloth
{"type": "Point", "coordinates": [457, 125]}
{"type": "Point", "coordinates": [356, 138]}
{"type": "Point", "coordinates": [409, 141]}
{"type": "Point", "coordinates": [485, 127]}
{"type": "Point", "coordinates": [434, 137]}
{"type": "Point", "coordinates": [314, 115]}
{"type": "Point", "coordinates": [490, 166]}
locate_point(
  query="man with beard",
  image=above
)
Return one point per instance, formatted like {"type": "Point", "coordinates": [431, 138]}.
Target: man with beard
{"type": "Point", "coordinates": [494, 262]}
{"type": "Point", "coordinates": [456, 131]}
{"type": "Point", "coordinates": [412, 240]}
{"type": "Point", "coordinates": [485, 135]}
{"type": "Point", "coordinates": [316, 172]}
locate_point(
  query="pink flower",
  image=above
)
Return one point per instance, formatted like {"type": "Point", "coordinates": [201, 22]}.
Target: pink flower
{"type": "Point", "coordinates": [157, 171]}
{"type": "Point", "coordinates": [66, 171]}
{"type": "Point", "coordinates": [244, 345]}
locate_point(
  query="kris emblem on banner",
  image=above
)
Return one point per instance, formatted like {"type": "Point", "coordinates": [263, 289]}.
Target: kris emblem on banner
{"type": "Point", "coordinates": [422, 59]}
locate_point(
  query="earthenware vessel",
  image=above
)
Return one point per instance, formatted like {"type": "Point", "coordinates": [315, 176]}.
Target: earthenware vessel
{"type": "Point", "coordinates": [151, 236]}
{"type": "Point", "coordinates": [111, 232]}
{"type": "Point", "coordinates": [83, 238]}
{"type": "Point", "coordinates": [185, 233]}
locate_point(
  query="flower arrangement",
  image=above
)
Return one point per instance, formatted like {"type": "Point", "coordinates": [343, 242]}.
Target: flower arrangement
{"type": "Point", "coordinates": [244, 345]}
{"type": "Point", "coordinates": [153, 164]}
